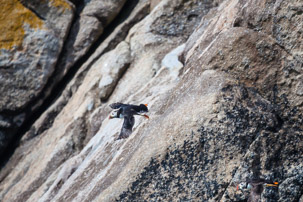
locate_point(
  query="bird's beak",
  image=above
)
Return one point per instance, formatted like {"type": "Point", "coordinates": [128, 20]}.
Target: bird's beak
{"type": "Point", "coordinates": [237, 187]}
{"type": "Point", "coordinates": [110, 117]}
{"type": "Point", "coordinates": [275, 184]}
{"type": "Point", "coordinates": [146, 116]}
{"type": "Point", "coordinates": [146, 105]}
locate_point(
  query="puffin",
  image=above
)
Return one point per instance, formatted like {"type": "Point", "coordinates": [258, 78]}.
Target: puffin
{"type": "Point", "coordinates": [256, 188]}
{"type": "Point", "coordinates": [127, 112]}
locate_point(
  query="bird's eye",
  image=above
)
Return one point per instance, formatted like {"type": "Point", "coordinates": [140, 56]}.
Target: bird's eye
{"type": "Point", "coordinates": [242, 185]}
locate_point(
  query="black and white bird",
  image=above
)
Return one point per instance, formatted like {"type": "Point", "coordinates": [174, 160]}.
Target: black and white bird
{"type": "Point", "coordinates": [127, 111]}
{"type": "Point", "coordinates": [256, 188]}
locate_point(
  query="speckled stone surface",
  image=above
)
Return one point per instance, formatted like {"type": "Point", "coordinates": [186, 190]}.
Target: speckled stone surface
{"type": "Point", "coordinates": [223, 83]}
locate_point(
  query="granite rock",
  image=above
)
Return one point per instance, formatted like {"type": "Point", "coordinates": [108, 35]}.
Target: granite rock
{"type": "Point", "coordinates": [222, 80]}
{"type": "Point", "coordinates": [87, 28]}
{"type": "Point", "coordinates": [32, 37]}
{"type": "Point", "coordinates": [30, 46]}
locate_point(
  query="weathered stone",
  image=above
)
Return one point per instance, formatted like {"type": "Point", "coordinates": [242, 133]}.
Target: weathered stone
{"type": "Point", "coordinates": [199, 168]}
{"type": "Point", "coordinates": [143, 54]}
{"type": "Point", "coordinates": [180, 20]}
{"type": "Point", "coordinates": [154, 3]}
{"type": "Point", "coordinates": [112, 67]}
{"type": "Point", "coordinates": [38, 163]}
{"type": "Point", "coordinates": [224, 107]}
{"type": "Point", "coordinates": [46, 120]}
{"type": "Point", "coordinates": [94, 17]}
{"type": "Point", "coordinates": [86, 29]}
{"type": "Point", "coordinates": [299, 86]}
{"type": "Point", "coordinates": [29, 50]}
{"type": "Point", "coordinates": [31, 39]}
{"type": "Point", "coordinates": [56, 13]}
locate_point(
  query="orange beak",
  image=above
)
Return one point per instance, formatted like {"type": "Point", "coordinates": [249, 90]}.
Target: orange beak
{"type": "Point", "coordinates": [146, 105]}
{"type": "Point", "coordinates": [275, 184]}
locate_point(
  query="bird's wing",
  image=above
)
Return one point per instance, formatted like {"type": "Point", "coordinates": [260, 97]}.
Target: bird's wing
{"type": "Point", "coordinates": [254, 195]}
{"type": "Point", "coordinates": [259, 181]}
{"type": "Point", "coordinates": [116, 105]}
{"type": "Point", "coordinates": [127, 127]}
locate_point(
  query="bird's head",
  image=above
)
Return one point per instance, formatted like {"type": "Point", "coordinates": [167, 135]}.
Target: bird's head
{"type": "Point", "coordinates": [113, 114]}
{"type": "Point", "coordinates": [143, 108]}
{"type": "Point", "coordinates": [243, 185]}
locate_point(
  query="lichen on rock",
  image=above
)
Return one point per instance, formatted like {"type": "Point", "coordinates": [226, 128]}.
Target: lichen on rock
{"type": "Point", "coordinates": [13, 18]}
{"type": "Point", "coordinates": [222, 80]}
{"type": "Point", "coordinates": [63, 4]}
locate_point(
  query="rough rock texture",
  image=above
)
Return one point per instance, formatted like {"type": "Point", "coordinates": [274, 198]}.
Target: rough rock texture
{"type": "Point", "coordinates": [31, 39]}
{"type": "Point", "coordinates": [154, 3]}
{"type": "Point", "coordinates": [87, 28]}
{"type": "Point", "coordinates": [30, 46]}
{"type": "Point", "coordinates": [113, 66]}
{"type": "Point", "coordinates": [47, 118]}
{"type": "Point", "coordinates": [223, 82]}
{"type": "Point", "coordinates": [30, 60]}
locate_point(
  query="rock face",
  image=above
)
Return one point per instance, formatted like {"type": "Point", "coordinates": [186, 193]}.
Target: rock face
{"type": "Point", "coordinates": [223, 82]}
{"type": "Point", "coordinates": [30, 47]}
{"type": "Point", "coordinates": [87, 28]}
{"type": "Point", "coordinates": [31, 39]}
{"type": "Point", "coordinates": [29, 50]}
{"type": "Point", "coordinates": [113, 65]}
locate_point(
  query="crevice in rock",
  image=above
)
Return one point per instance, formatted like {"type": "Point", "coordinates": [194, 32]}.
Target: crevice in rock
{"type": "Point", "coordinates": [77, 3]}
{"type": "Point", "coordinates": [229, 184]}
{"type": "Point", "coordinates": [278, 125]}
{"type": "Point", "coordinates": [59, 88]}
{"type": "Point", "coordinates": [119, 77]}
{"type": "Point", "coordinates": [125, 12]}
{"type": "Point", "coordinates": [28, 6]}
{"type": "Point", "coordinates": [78, 139]}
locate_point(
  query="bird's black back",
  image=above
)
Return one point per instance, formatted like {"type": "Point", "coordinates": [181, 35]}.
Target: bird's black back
{"type": "Point", "coordinates": [128, 108]}
{"type": "Point", "coordinates": [117, 105]}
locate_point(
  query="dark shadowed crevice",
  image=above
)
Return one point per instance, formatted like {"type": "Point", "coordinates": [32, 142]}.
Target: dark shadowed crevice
{"type": "Point", "coordinates": [278, 125]}
{"type": "Point", "coordinates": [28, 6]}
{"type": "Point", "coordinates": [58, 89]}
